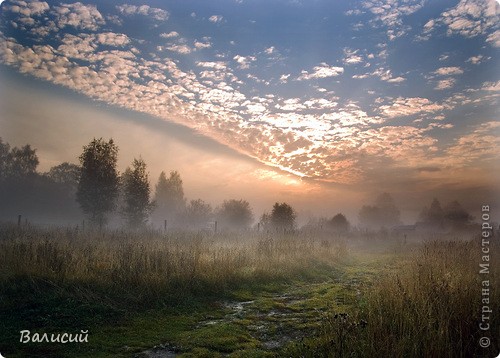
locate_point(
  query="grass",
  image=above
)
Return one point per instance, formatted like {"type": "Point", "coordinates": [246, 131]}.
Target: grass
{"type": "Point", "coordinates": [240, 294]}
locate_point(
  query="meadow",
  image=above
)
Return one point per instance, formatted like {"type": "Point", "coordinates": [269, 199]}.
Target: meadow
{"type": "Point", "coordinates": [244, 294]}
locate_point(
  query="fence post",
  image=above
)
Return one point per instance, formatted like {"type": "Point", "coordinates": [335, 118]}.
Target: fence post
{"type": "Point", "coordinates": [215, 227]}
{"type": "Point", "coordinates": [19, 220]}
{"type": "Point", "coordinates": [165, 225]}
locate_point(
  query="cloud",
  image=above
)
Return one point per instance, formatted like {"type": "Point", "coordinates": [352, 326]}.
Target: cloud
{"type": "Point", "coordinates": [202, 44]}
{"type": "Point", "coordinates": [27, 8]}
{"type": "Point", "coordinates": [216, 18]}
{"type": "Point", "coordinates": [448, 71]}
{"type": "Point", "coordinates": [182, 49]}
{"type": "Point", "coordinates": [322, 71]}
{"type": "Point", "coordinates": [491, 86]}
{"type": "Point", "coordinates": [284, 78]}
{"type": "Point", "coordinates": [112, 39]}
{"type": "Point", "coordinates": [429, 169]}
{"type": "Point", "coordinates": [469, 18]}
{"type": "Point", "coordinates": [476, 60]}
{"type": "Point", "coordinates": [145, 10]}
{"type": "Point", "coordinates": [351, 57]}
{"type": "Point", "coordinates": [445, 84]}
{"type": "Point", "coordinates": [384, 74]}
{"type": "Point", "coordinates": [482, 143]}
{"type": "Point", "coordinates": [169, 35]}
{"type": "Point", "coordinates": [494, 38]}
{"type": "Point", "coordinates": [270, 50]}
{"type": "Point", "coordinates": [390, 14]}
{"type": "Point", "coordinates": [219, 65]}
{"type": "Point", "coordinates": [402, 107]}
{"type": "Point", "coordinates": [318, 135]}
{"type": "Point", "coordinates": [79, 16]}
{"type": "Point", "coordinates": [244, 61]}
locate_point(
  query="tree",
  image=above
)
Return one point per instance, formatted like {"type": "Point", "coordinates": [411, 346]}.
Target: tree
{"type": "Point", "coordinates": [433, 218]}
{"type": "Point", "coordinates": [24, 162]}
{"type": "Point", "coordinates": [136, 192]}
{"type": "Point", "coordinates": [456, 215]}
{"type": "Point", "coordinates": [283, 216]}
{"type": "Point", "coordinates": [235, 214]}
{"type": "Point", "coordinates": [198, 213]}
{"type": "Point", "coordinates": [383, 214]}
{"type": "Point", "coordinates": [17, 163]}
{"type": "Point", "coordinates": [4, 159]}
{"type": "Point", "coordinates": [265, 221]}
{"type": "Point", "coordinates": [339, 223]}
{"type": "Point", "coordinates": [98, 186]}
{"type": "Point", "coordinates": [66, 174]}
{"type": "Point", "coordinates": [169, 196]}
{"type": "Point", "coordinates": [435, 214]}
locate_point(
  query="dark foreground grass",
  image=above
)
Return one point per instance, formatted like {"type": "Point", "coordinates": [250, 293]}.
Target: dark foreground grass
{"type": "Point", "coordinates": [131, 291]}
{"type": "Point", "coordinates": [298, 295]}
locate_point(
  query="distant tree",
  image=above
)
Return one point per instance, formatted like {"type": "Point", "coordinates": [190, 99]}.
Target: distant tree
{"type": "Point", "coordinates": [283, 216]}
{"type": "Point", "coordinates": [456, 215]}
{"type": "Point", "coordinates": [24, 161]}
{"type": "Point", "coordinates": [4, 159]}
{"type": "Point", "coordinates": [67, 174]}
{"type": "Point", "coordinates": [390, 214]}
{"type": "Point", "coordinates": [98, 186]}
{"type": "Point", "coordinates": [169, 197]}
{"type": "Point", "coordinates": [24, 191]}
{"type": "Point", "coordinates": [433, 217]}
{"type": "Point", "coordinates": [136, 192]}
{"type": "Point", "coordinates": [339, 223]}
{"type": "Point", "coordinates": [235, 214]}
{"type": "Point", "coordinates": [383, 214]}
{"type": "Point", "coordinates": [17, 163]}
{"type": "Point", "coordinates": [265, 221]}
{"type": "Point", "coordinates": [198, 213]}
{"type": "Point", "coordinates": [435, 214]}
{"type": "Point", "coordinates": [369, 216]}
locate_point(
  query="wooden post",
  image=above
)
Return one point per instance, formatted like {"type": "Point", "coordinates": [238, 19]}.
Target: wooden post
{"type": "Point", "coordinates": [19, 220]}
{"type": "Point", "coordinates": [83, 225]}
{"type": "Point", "coordinates": [215, 226]}
{"type": "Point", "coordinates": [165, 225]}
{"type": "Point", "coordinates": [258, 227]}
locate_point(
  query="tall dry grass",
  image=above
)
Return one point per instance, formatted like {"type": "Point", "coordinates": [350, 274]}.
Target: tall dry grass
{"type": "Point", "coordinates": [430, 307]}
{"type": "Point", "coordinates": [153, 266]}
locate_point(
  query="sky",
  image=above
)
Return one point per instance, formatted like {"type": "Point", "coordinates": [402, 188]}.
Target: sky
{"type": "Point", "coordinates": [323, 104]}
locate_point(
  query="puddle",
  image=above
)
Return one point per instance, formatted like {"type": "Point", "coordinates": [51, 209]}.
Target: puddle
{"type": "Point", "coordinates": [160, 351]}
{"type": "Point", "coordinates": [274, 320]}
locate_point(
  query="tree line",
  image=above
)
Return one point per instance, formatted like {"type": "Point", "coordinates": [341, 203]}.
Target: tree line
{"type": "Point", "coordinates": [96, 189]}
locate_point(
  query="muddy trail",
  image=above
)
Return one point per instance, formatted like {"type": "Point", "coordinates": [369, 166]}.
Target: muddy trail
{"type": "Point", "coordinates": [272, 320]}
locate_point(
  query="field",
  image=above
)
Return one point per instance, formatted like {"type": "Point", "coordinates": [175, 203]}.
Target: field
{"type": "Point", "coordinates": [154, 294]}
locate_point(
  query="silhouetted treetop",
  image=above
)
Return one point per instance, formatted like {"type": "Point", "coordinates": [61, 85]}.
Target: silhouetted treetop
{"type": "Point", "coordinates": [235, 214]}
{"type": "Point", "coordinates": [99, 183]}
{"type": "Point", "coordinates": [136, 193]}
